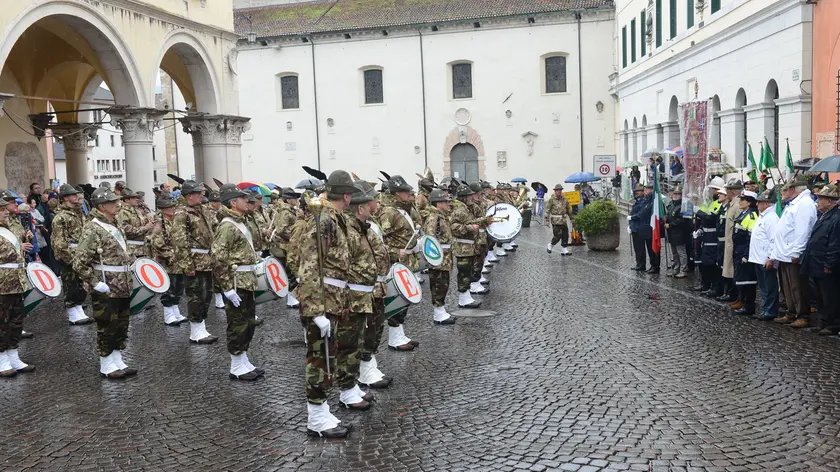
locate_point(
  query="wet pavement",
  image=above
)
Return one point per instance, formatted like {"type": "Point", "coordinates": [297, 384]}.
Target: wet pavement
{"type": "Point", "coordinates": [587, 367]}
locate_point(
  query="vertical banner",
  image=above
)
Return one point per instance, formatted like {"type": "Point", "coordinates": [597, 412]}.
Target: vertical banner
{"type": "Point", "coordinates": [695, 132]}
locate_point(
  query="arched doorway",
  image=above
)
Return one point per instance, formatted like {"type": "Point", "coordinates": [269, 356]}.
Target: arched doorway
{"type": "Point", "coordinates": [463, 161]}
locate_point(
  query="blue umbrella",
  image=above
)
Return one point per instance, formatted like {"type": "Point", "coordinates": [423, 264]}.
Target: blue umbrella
{"type": "Point", "coordinates": [518, 180]}
{"type": "Point", "coordinates": [271, 186]}
{"type": "Point", "coordinates": [581, 177]}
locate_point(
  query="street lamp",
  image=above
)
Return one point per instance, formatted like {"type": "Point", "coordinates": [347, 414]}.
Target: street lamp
{"type": "Point", "coordinates": [251, 35]}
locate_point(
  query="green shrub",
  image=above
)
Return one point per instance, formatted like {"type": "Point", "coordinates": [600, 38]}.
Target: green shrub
{"type": "Point", "coordinates": [596, 217]}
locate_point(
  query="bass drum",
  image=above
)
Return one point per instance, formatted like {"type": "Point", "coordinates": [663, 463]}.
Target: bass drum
{"type": "Point", "coordinates": [401, 289]}
{"type": "Point", "coordinates": [508, 224]}
{"type": "Point", "coordinates": [272, 281]}
{"type": "Point", "coordinates": [43, 284]}
{"type": "Point", "coordinates": [149, 279]}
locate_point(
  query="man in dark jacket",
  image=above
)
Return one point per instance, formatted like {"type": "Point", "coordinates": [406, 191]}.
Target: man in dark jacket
{"type": "Point", "coordinates": [636, 226]}
{"type": "Point", "coordinates": [677, 229]}
{"type": "Point", "coordinates": [821, 260]}
{"type": "Point", "coordinates": [640, 224]}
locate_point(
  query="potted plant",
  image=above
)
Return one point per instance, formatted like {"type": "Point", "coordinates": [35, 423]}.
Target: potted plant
{"type": "Point", "coordinates": [599, 223]}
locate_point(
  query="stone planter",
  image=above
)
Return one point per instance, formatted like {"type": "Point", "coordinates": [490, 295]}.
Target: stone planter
{"type": "Point", "coordinates": [606, 241]}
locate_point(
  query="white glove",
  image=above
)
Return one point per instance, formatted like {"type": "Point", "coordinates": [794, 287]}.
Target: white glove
{"type": "Point", "coordinates": [629, 218]}
{"type": "Point", "coordinates": [629, 231]}
{"type": "Point", "coordinates": [324, 324]}
{"type": "Point", "coordinates": [697, 234]}
{"type": "Point", "coordinates": [102, 288]}
{"type": "Point", "coordinates": [233, 297]}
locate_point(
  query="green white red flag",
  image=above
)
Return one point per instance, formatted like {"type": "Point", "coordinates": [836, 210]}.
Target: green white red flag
{"type": "Point", "coordinates": [657, 214]}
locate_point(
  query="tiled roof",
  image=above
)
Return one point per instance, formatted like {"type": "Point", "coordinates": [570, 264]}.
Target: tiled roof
{"type": "Point", "coordinates": [346, 15]}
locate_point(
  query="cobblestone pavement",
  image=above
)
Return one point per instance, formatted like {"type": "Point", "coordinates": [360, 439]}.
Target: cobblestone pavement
{"type": "Point", "coordinates": [587, 367]}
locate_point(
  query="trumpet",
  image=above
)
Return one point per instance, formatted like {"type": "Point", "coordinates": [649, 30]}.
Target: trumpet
{"type": "Point", "coordinates": [497, 219]}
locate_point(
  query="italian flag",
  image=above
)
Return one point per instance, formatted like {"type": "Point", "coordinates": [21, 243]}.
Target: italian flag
{"type": "Point", "coordinates": [657, 215]}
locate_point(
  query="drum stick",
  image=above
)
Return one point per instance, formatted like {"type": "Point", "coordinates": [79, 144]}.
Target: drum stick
{"type": "Point", "coordinates": [327, 350]}
{"type": "Point", "coordinates": [411, 239]}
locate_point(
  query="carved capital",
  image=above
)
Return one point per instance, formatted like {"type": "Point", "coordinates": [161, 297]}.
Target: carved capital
{"type": "Point", "coordinates": [137, 124]}
{"type": "Point", "coordinates": [75, 136]}
{"type": "Point", "coordinates": [216, 129]}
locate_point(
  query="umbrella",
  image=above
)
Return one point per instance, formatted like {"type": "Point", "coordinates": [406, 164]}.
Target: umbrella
{"type": "Point", "coordinates": [674, 151]}
{"type": "Point", "coordinates": [633, 164]}
{"type": "Point", "coordinates": [539, 185]}
{"type": "Point", "coordinates": [806, 164]}
{"type": "Point", "coordinates": [650, 152]}
{"type": "Point", "coordinates": [720, 168]}
{"type": "Point", "coordinates": [518, 180]}
{"type": "Point", "coordinates": [252, 185]}
{"type": "Point", "coordinates": [829, 164]}
{"type": "Point", "coordinates": [309, 183]}
{"type": "Point", "coordinates": [580, 177]}
{"type": "Point", "coordinates": [271, 186]}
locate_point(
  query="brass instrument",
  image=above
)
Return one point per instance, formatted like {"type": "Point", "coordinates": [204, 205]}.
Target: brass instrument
{"type": "Point", "coordinates": [497, 219]}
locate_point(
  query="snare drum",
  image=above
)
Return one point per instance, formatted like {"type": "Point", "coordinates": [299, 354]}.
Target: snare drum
{"type": "Point", "coordinates": [401, 289]}
{"type": "Point", "coordinates": [42, 284]}
{"type": "Point", "coordinates": [508, 224]}
{"type": "Point", "coordinates": [432, 250]}
{"type": "Point", "coordinates": [272, 281]}
{"type": "Point", "coordinates": [149, 279]}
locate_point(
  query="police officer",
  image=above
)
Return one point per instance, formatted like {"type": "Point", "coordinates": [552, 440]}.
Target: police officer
{"type": "Point", "coordinates": [324, 266]}
{"type": "Point", "coordinates": [557, 210]}
{"type": "Point", "coordinates": [235, 271]}
{"type": "Point", "coordinates": [465, 232]}
{"type": "Point", "coordinates": [195, 230]}
{"type": "Point", "coordinates": [745, 276]}
{"type": "Point", "coordinates": [174, 258]}
{"type": "Point", "coordinates": [13, 283]}
{"type": "Point", "coordinates": [638, 225]}
{"type": "Point", "coordinates": [705, 253]}
{"type": "Point", "coordinates": [103, 261]}
{"type": "Point", "coordinates": [133, 224]}
{"type": "Point", "coordinates": [285, 216]}
{"type": "Point", "coordinates": [437, 225]}
{"type": "Point", "coordinates": [66, 231]}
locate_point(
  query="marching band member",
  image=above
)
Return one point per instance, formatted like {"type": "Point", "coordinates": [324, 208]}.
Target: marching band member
{"type": "Point", "coordinates": [488, 193]}
{"type": "Point", "coordinates": [465, 232]}
{"type": "Point", "coordinates": [255, 218]}
{"type": "Point", "coordinates": [502, 196]}
{"type": "Point", "coordinates": [234, 269]}
{"type": "Point", "coordinates": [174, 257]}
{"type": "Point", "coordinates": [557, 210]}
{"type": "Point", "coordinates": [102, 260]}
{"type": "Point", "coordinates": [475, 203]}
{"type": "Point", "coordinates": [324, 266]}
{"type": "Point", "coordinates": [66, 231]}
{"type": "Point", "coordinates": [133, 224]}
{"type": "Point", "coordinates": [285, 216]}
{"type": "Point", "coordinates": [397, 220]}
{"type": "Point", "coordinates": [437, 225]}
{"type": "Point", "coordinates": [195, 229]}
{"type": "Point", "coordinates": [13, 283]}
{"type": "Point", "coordinates": [369, 373]}
{"type": "Point", "coordinates": [211, 208]}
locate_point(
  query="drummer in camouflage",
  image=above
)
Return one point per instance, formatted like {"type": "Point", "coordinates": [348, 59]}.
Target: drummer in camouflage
{"type": "Point", "coordinates": [66, 231]}
{"type": "Point", "coordinates": [465, 232]}
{"type": "Point", "coordinates": [478, 210]}
{"type": "Point", "coordinates": [235, 271]}
{"type": "Point", "coordinates": [12, 285]}
{"type": "Point", "coordinates": [173, 256]}
{"type": "Point", "coordinates": [134, 224]}
{"type": "Point", "coordinates": [558, 210]}
{"type": "Point", "coordinates": [401, 235]}
{"type": "Point", "coordinates": [488, 194]}
{"type": "Point", "coordinates": [192, 227]}
{"type": "Point", "coordinates": [103, 261]}
{"type": "Point", "coordinates": [258, 225]}
{"type": "Point", "coordinates": [437, 225]}
{"type": "Point", "coordinates": [285, 216]}
{"type": "Point", "coordinates": [324, 300]}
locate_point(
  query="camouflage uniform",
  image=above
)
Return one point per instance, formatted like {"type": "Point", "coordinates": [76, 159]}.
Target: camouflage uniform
{"type": "Point", "coordinates": [102, 242]}
{"type": "Point", "coordinates": [235, 258]}
{"type": "Point", "coordinates": [258, 225]}
{"type": "Point", "coordinates": [376, 321]}
{"type": "Point", "coordinates": [437, 225]}
{"type": "Point", "coordinates": [398, 222]}
{"type": "Point", "coordinates": [557, 209]}
{"type": "Point", "coordinates": [132, 223]}
{"type": "Point", "coordinates": [66, 231]}
{"type": "Point", "coordinates": [478, 210]}
{"type": "Point", "coordinates": [170, 249]}
{"type": "Point", "coordinates": [283, 222]}
{"type": "Point", "coordinates": [13, 283]}
{"type": "Point", "coordinates": [421, 203]}
{"type": "Point", "coordinates": [194, 228]}
{"type": "Point", "coordinates": [464, 249]}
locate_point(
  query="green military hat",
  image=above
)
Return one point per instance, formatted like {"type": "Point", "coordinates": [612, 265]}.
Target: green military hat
{"type": "Point", "coordinates": [119, 184]}
{"type": "Point", "coordinates": [830, 191]}
{"type": "Point", "coordinates": [253, 196]}
{"type": "Point", "coordinates": [768, 195]}
{"type": "Point", "coordinates": [164, 202]}
{"type": "Point", "coordinates": [289, 192]}
{"type": "Point", "coordinates": [340, 183]}
{"type": "Point", "coordinates": [437, 195]}
{"type": "Point", "coordinates": [734, 184]}
{"type": "Point", "coordinates": [229, 192]}
{"type": "Point", "coordinates": [128, 193]}
{"type": "Point", "coordinates": [639, 188]}
{"type": "Point", "coordinates": [103, 195]}
{"type": "Point", "coordinates": [365, 194]}
{"type": "Point", "coordinates": [66, 190]}
{"type": "Point", "coordinates": [475, 187]}
{"type": "Point", "coordinates": [398, 184]}
{"type": "Point", "coordinates": [558, 187]}
{"type": "Point", "coordinates": [141, 194]}
{"type": "Point", "coordinates": [191, 186]}
{"type": "Point", "coordinates": [798, 181]}
{"type": "Point", "coordinates": [105, 184]}
{"type": "Point", "coordinates": [464, 190]}
{"type": "Point", "coordinates": [214, 196]}
{"type": "Point", "coordinates": [486, 185]}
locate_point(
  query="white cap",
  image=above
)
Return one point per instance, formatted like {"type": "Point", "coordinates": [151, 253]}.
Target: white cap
{"type": "Point", "coordinates": [748, 193]}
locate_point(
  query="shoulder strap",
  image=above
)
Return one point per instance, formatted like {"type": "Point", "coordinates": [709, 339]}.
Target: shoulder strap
{"type": "Point", "coordinates": [9, 236]}
{"type": "Point", "coordinates": [242, 229]}
{"type": "Point", "coordinates": [114, 232]}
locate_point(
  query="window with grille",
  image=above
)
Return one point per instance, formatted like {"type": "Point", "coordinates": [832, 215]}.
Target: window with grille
{"type": "Point", "coordinates": [673, 13]}
{"type": "Point", "coordinates": [462, 81]}
{"type": "Point", "coordinates": [624, 46]}
{"type": "Point", "coordinates": [373, 86]}
{"type": "Point", "coordinates": [715, 6]}
{"type": "Point", "coordinates": [555, 74]}
{"type": "Point", "coordinates": [658, 23]}
{"type": "Point", "coordinates": [633, 40]}
{"type": "Point", "coordinates": [644, 29]}
{"type": "Point", "coordinates": [689, 14]}
{"type": "Point", "coordinates": [112, 140]}
{"type": "Point", "coordinates": [289, 92]}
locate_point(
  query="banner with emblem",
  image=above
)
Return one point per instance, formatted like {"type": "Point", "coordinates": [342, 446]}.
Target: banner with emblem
{"type": "Point", "coordinates": [694, 140]}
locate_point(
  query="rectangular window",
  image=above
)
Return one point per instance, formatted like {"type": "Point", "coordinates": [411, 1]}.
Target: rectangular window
{"type": "Point", "coordinates": [112, 140]}
{"type": "Point", "coordinates": [715, 6]}
{"type": "Point", "coordinates": [644, 33]}
{"type": "Point", "coordinates": [689, 14]}
{"type": "Point", "coordinates": [154, 155]}
{"type": "Point", "coordinates": [462, 81]}
{"type": "Point", "coordinates": [673, 13]}
{"type": "Point", "coordinates": [96, 140]}
{"type": "Point", "coordinates": [658, 19]}
{"type": "Point", "coordinates": [122, 141]}
{"type": "Point", "coordinates": [154, 175]}
{"type": "Point", "coordinates": [289, 91]}
{"type": "Point", "coordinates": [555, 74]}
{"type": "Point", "coordinates": [633, 40]}
{"type": "Point", "coordinates": [373, 86]}
{"type": "Point", "coordinates": [623, 46]}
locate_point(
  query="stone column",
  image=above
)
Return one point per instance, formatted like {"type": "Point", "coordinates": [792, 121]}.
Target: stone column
{"type": "Point", "coordinates": [671, 131]}
{"type": "Point", "coordinates": [76, 137]}
{"type": "Point", "coordinates": [652, 133]}
{"type": "Point", "coordinates": [221, 146]}
{"type": "Point", "coordinates": [625, 150]}
{"type": "Point", "coordinates": [760, 125]}
{"type": "Point", "coordinates": [732, 136]}
{"type": "Point", "coordinates": [635, 144]}
{"type": "Point", "coordinates": [795, 126]}
{"type": "Point", "coordinates": [138, 126]}
{"type": "Point", "coordinates": [660, 137]}
{"type": "Point", "coordinates": [198, 161]}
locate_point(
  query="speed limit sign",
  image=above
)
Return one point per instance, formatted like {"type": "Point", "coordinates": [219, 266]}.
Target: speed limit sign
{"type": "Point", "coordinates": [604, 166]}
